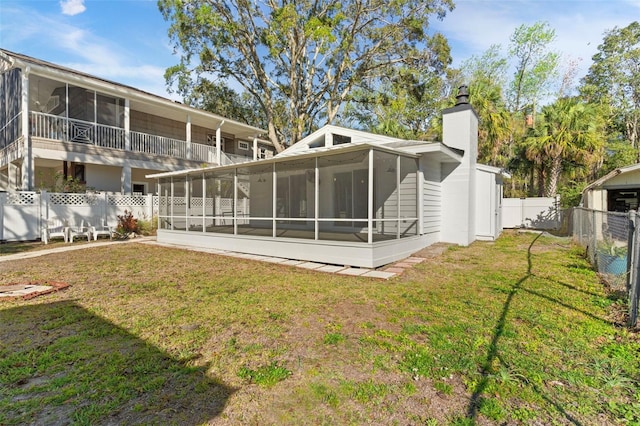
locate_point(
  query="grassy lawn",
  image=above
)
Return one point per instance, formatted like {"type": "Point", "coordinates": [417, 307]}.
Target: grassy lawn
{"type": "Point", "coordinates": [519, 331]}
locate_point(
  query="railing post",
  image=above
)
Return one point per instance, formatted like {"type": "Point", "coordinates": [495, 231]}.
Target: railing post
{"type": "Point", "coordinates": [127, 126]}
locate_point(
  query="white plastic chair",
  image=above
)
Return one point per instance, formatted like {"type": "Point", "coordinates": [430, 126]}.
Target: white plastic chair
{"type": "Point", "coordinates": [55, 228]}
{"type": "Point", "coordinates": [79, 231]}
{"type": "Point", "coordinates": [101, 228]}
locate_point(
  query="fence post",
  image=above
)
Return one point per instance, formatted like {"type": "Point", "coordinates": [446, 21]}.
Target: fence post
{"type": "Point", "coordinates": [581, 229]}
{"type": "Point", "coordinates": [3, 199]}
{"type": "Point", "coordinates": [631, 249]}
{"type": "Point", "coordinates": [149, 206]}
{"type": "Point", "coordinates": [633, 283]}
{"type": "Point", "coordinates": [594, 232]}
{"type": "Point", "coordinates": [556, 205]}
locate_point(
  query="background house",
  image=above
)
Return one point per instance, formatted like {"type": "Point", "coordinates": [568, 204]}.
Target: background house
{"type": "Point", "coordinates": [341, 196]}
{"type": "Point", "coordinates": [57, 121]}
{"type": "Point", "coordinates": [618, 191]}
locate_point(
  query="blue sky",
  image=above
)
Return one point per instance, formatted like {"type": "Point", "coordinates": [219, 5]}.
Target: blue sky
{"type": "Point", "coordinates": [126, 40]}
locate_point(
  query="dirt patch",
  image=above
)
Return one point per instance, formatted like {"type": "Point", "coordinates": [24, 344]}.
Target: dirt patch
{"type": "Point", "coordinates": [433, 250]}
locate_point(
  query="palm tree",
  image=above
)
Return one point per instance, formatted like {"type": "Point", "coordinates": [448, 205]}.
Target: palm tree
{"type": "Point", "coordinates": [495, 122]}
{"type": "Point", "coordinates": [570, 131]}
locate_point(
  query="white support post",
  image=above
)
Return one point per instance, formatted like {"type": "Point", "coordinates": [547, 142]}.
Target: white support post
{"type": "Point", "coordinates": [399, 221]}
{"type": "Point", "coordinates": [204, 202]}
{"type": "Point", "coordinates": [125, 180]}
{"type": "Point", "coordinates": [27, 156]}
{"type": "Point", "coordinates": [219, 143]}
{"type": "Point", "coordinates": [317, 202]}
{"type": "Point", "coordinates": [171, 218]}
{"type": "Point", "coordinates": [273, 199]}
{"type": "Point", "coordinates": [255, 148]}
{"type": "Point", "coordinates": [188, 134]}
{"type": "Point", "coordinates": [187, 199]}
{"type": "Point", "coordinates": [127, 125]}
{"type": "Point", "coordinates": [235, 202]}
{"type": "Point", "coordinates": [420, 198]}
{"type": "Point", "coordinates": [370, 200]}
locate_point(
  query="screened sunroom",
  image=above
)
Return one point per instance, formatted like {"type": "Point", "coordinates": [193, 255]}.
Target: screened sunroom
{"type": "Point", "coordinates": [349, 205]}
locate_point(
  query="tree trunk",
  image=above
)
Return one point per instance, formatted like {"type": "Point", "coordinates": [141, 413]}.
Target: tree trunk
{"type": "Point", "coordinates": [554, 177]}
{"type": "Point", "coordinates": [541, 179]}
{"type": "Point", "coordinates": [273, 137]}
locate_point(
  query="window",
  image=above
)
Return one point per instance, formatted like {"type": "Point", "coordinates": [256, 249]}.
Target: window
{"type": "Point", "coordinates": [139, 188]}
{"type": "Point", "coordinates": [78, 173]}
{"type": "Point", "coordinates": [341, 139]}
{"type": "Point", "coordinates": [243, 145]}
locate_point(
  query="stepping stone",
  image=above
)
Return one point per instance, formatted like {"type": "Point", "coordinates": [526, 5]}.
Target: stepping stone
{"type": "Point", "coordinates": [379, 274]}
{"type": "Point", "coordinates": [354, 271]}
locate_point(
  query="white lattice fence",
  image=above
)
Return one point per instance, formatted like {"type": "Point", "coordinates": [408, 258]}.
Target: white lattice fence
{"type": "Point", "coordinates": [23, 213]}
{"type": "Point", "coordinates": [142, 206]}
{"type": "Point", "coordinates": [19, 216]}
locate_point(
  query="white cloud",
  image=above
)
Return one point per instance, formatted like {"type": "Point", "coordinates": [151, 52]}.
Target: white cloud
{"type": "Point", "coordinates": [80, 49]}
{"type": "Point", "coordinates": [72, 7]}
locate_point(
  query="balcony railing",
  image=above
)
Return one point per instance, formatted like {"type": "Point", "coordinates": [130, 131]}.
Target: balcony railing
{"type": "Point", "coordinates": [158, 145]}
{"type": "Point", "coordinates": [49, 126]}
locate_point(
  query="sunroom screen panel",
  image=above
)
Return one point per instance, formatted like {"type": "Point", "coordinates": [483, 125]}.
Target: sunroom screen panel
{"type": "Point", "coordinates": [255, 200]}
{"type": "Point", "coordinates": [336, 186]}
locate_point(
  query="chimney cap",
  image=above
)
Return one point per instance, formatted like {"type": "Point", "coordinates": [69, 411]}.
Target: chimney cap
{"type": "Point", "coordinates": [462, 98]}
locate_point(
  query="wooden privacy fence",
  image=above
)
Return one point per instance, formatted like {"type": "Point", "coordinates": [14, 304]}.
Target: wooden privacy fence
{"type": "Point", "coordinates": [24, 213]}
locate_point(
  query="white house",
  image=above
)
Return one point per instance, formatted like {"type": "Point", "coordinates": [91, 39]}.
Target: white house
{"type": "Point", "coordinates": [341, 196]}
{"type": "Point", "coordinates": [55, 120]}
{"type": "Point", "coordinates": [617, 191]}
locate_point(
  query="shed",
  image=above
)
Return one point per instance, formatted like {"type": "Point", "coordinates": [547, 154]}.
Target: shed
{"type": "Point", "coordinates": [618, 191]}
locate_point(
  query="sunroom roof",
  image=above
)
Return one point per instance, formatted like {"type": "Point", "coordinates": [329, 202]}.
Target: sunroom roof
{"type": "Point", "coordinates": [444, 153]}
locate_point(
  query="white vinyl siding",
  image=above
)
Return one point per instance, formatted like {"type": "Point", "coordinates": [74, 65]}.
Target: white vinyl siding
{"type": "Point", "coordinates": [432, 197]}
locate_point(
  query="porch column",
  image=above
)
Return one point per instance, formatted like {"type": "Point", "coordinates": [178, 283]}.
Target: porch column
{"type": "Point", "coordinates": [127, 125]}
{"type": "Point", "coordinates": [235, 201]}
{"type": "Point", "coordinates": [125, 180]}
{"type": "Point", "coordinates": [219, 143]}
{"type": "Point", "coordinates": [316, 213]}
{"type": "Point", "coordinates": [370, 200]}
{"type": "Point", "coordinates": [27, 157]}
{"type": "Point", "coordinates": [255, 148]}
{"type": "Point", "coordinates": [188, 132]}
{"type": "Point", "coordinates": [274, 209]}
{"type": "Point", "coordinates": [420, 200]}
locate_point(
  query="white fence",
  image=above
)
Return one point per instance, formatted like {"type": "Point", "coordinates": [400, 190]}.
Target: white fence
{"type": "Point", "coordinates": [22, 214]}
{"type": "Point", "coordinates": [536, 213]}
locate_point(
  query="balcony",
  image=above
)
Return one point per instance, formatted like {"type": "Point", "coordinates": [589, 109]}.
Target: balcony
{"type": "Point", "coordinates": [47, 126]}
